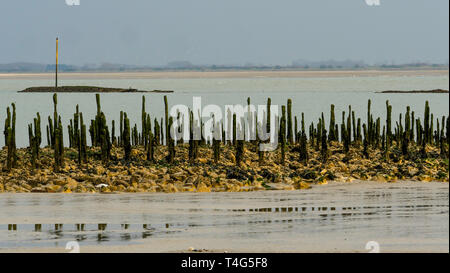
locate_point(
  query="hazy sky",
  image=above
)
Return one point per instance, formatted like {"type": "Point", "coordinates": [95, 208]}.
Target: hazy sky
{"type": "Point", "coordinates": [155, 32]}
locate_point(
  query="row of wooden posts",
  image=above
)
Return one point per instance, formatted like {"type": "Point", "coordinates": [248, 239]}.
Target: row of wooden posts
{"type": "Point", "coordinates": [408, 130]}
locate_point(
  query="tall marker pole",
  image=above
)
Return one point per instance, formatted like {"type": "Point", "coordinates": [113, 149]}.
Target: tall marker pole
{"type": "Point", "coordinates": [56, 69]}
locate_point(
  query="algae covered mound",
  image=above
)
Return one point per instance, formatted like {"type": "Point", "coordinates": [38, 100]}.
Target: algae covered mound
{"type": "Point", "coordinates": [86, 89]}
{"type": "Point", "coordinates": [434, 91]}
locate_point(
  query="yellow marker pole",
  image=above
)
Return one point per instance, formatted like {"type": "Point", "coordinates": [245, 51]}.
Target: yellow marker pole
{"type": "Point", "coordinates": [56, 69]}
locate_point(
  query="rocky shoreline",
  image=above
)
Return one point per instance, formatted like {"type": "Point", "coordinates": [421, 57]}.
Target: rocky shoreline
{"type": "Point", "coordinates": [138, 175]}
{"type": "Point", "coordinates": [154, 159]}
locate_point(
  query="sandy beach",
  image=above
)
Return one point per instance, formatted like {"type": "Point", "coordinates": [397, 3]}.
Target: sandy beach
{"type": "Point", "coordinates": [224, 74]}
{"type": "Point", "coordinates": [405, 216]}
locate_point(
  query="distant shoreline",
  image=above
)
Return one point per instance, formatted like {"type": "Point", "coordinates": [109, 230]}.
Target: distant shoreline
{"type": "Point", "coordinates": [226, 74]}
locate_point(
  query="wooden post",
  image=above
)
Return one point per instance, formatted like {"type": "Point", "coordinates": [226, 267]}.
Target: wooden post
{"type": "Point", "coordinates": [56, 67]}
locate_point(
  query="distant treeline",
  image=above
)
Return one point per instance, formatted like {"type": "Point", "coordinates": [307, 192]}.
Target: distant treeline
{"type": "Point", "coordinates": [33, 67]}
{"type": "Point", "coordinates": [186, 66]}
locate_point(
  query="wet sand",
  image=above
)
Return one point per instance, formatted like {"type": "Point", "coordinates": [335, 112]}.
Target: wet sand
{"type": "Point", "coordinates": [224, 74]}
{"type": "Point", "coordinates": [338, 217]}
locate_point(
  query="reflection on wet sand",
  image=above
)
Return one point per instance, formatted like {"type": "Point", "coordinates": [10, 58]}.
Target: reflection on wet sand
{"type": "Point", "coordinates": [101, 232]}
{"type": "Point", "coordinates": [406, 216]}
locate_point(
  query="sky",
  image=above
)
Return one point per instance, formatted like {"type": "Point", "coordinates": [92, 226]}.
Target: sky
{"type": "Point", "coordinates": [224, 32]}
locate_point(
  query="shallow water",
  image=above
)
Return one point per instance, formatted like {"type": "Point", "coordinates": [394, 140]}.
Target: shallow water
{"type": "Point", "coordinates": [309, 95]}
{"type": "Point", "coordinates": [338, 217]}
